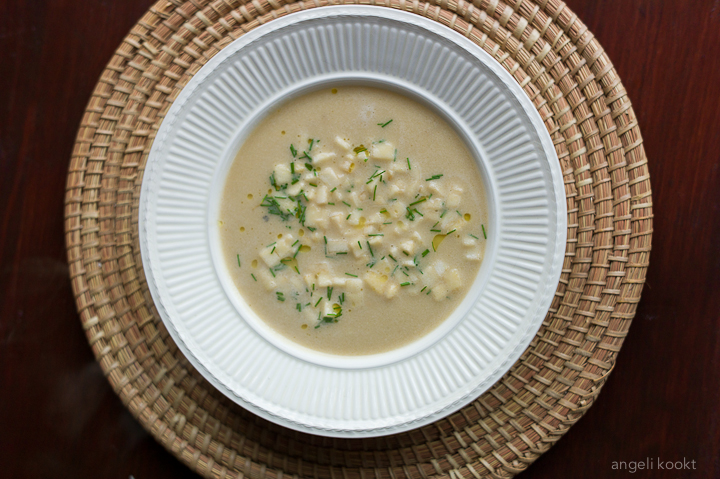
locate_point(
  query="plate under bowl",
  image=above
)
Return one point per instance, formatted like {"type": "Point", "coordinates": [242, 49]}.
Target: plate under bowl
{"type": "Point", "coordinates": [369, 395]}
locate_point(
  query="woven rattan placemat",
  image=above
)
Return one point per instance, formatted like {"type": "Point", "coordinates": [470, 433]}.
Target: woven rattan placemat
{"type": "Point", "coordinates": [575, 88]}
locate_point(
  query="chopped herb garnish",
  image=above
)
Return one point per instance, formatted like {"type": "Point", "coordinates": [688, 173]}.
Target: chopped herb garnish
{"type": "Point", "coordinates": [359, 245]}
{"type": "Point", "coordinates": [347, 204]}
{"type": "Point", "coordinates": [436, 231]}
{"type": "Point", "coordinates": [272, 272]}
{"type": "Point", "coordinates": [341, 252]}
{"type": "Point", "coordinates": [484, 234]}
{"type": "Point", "coordinates": [392, 258]}
{"type": "Point", "coordinates": [280, 296]}
{"type": "Point", "coordinates": [474, 237]}
{"type": "Point", "coordinates": [293, 151]}
{"type": "Point", "coordinates": [333, 189]}
{"type": "Point", "coordinates": [239, 265]}
{"type": "Point", "coordinates": [383, 125]}
{"type": "Point", "coordinates": [299, 307]}
{"type": "Point", "coordinates": [374, 192]}
{"type": "Point", "coordinates": [434, 177]}
{"type": "Point", "coordinates": [424, 198]}
{"type": "Point", "coordinates": [308, 166]}
{"type": "Point", "coordinates": [318, 302]}
{"type": "Point", "coordinates": [353, 275]}
{"type": "Point", "coordinates": [329, 292]}
{"type": "Point", "coordinates": [408, 162]}
{"type": "Point", "coordinates": [424, 287]}
{"type": "Point", "coordinates": [253, 276]}
{"type": "Point", "coordinates": [450, 232]}
{"type": "Point", "coordinates": [408, 283]}
{"type": "Point", "coordinates": [311, 144]}
{"type": "Point", "coordinates": [370, 248]}
{"type": "Point", "coordinates": [359, 149]}
{"type": "Point", "coordinates": [377, 234]}
{"type": "Point", "coordinates": [425, 253]}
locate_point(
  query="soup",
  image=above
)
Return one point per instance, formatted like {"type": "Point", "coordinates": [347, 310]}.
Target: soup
{"type": "Point", "coordinates": [352, 220]}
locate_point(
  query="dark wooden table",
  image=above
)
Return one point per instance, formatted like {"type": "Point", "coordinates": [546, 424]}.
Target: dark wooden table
{"type": "Point", "coordinates": [58, 415]}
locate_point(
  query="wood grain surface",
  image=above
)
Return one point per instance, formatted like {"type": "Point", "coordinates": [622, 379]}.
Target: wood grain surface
{"type": "Point", "coordinates": [60, 418]}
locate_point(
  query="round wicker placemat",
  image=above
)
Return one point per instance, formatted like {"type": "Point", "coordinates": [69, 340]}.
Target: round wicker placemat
{"type": "Point", "coordinates": [579, 95]}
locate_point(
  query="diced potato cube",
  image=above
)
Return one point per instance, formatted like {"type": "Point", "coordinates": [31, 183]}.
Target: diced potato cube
{"type": "Point", "coordinates": [391, 290]}
{"type": "Point", "coordinates": [354, 285]}
{"type": "Point", "coordinates": [347, 166]}
{"type": "Point", "coordinates": [269, 257]}
{"type": "Point", "coordinates": [324, 280]}
{"type": "Point", "coordinates": [287, 205]}
{"type": "Point", "coordinates": [396, 210]}
{"type": "Point", "coordinates": [375, 219]}
{"type": "Point", "coordinates": [436, 187]}
{"type": "Point", "coordinates": [376, 281]}
{"type": "Point", "coordinates": [375, 240]}
{"type": "Point", "coordinates": [358, 250]}
{"type": "Point", "coordinates": [336, 246]}
{"type": "Point", "coordinates": [315, 217]}
{"type": "Point", "coordinates": [469, 241]}
{"type": "Point", "coordinates": [384, 151]}
{"type": "Point", "coordinates": [284, 246]}
{"type": "Point", "coordinates": [342, 143]}
{"type": "Point", "coordinates": [474, 256]}
{"type": "Point", "coordinates": [267, 280]}
{"type": "Point", "coordinates": [439, 266]}
{"type": "Point", "coordinates": [354, 298]}
{"type": "Point", "coordinates": [338, 220]}
{"type": "Point", "coordinates": [439, 292]}
{"type": "Point", "coordinates": [282, 174]}
{"type": "Point", "coordinates": [355, 199]}
{"type": "Point", "coordinates": [408, 247]}
{"type": "Point", "coordinates": [452, 279]}
{"type": "Point", "coordinates": [323, 157]}
{"type": "Point", "coordinates": [401, 227]}
{"type": "Point", "coordinates": [321, 196]}
{"type": "Point", "coordinates": [329, 177]}
{"type": "Point", "coordinates": [294, 190]}
{"type": "Point", "coordinates": [453, 200]}
{"type": "Point", "coordinates": [338, 281]}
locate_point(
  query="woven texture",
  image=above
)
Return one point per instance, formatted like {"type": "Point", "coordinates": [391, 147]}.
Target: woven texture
{"type": "Point", "coordinates": [563, 70]}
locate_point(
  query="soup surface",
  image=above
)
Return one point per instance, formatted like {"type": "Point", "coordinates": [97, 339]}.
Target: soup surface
{"type": "Point", "coordinates": [353, 220]}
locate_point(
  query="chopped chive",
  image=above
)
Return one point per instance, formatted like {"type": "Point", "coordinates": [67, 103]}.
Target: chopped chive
{"type": "Point", "coordinates": [341, 298]}
{"type": "Point", "coordinates": [377, 234]}
{"type": "Point", "coordinates": [383, 125]}
{"type": "Point", "coordinates": [239, 265]}
{"type": "Point", "coordinates": [406, 253]}
{"type": "Point", "coordinates": [280, 296]}
{"type": "Point", "coordinates": [296, 242]}
{"type": "Point", "coordinates": [297, 270]}
{"type": "Point", "coordinates": [425, 253]}
{"type": "Point", "coordinates": [325, 238]}
{"type": "Point", "coordinates": [459, 214]}
{"type": "Point", "coordinates": [313, 185]}
{"type": "Point", "coordinates": [253, 276]}
{"type": "Point", "coordinates": [392, 258]}
{"type": "Point", "coordinates": [318, 302]}
{"type": "Point", "coordinates": [347, 204]}
{"type": "Point", "coordinates": [293, 151]}
{"type": "Point", "coordinates": [370, 248]}
{"type": "Point", "coordinates": [308, 166]}
{"type": "Point", "coordinates": [329, 292]}
{"type": "Point", "coordinates": [407, 283]}
{"type": "Point", "coordinates": [443, 213]}
{"type": "Point", "coordinates": [429, 291]}
{"type": "Point", "coordinates": [451, 231]}
{"type": "Point", "coordinates": [424, 288]}
{"type": "Point", "coordinates": [408, 162]}
{"type": "Point", "coordinates": [333, 189]}
{"type": "Point", "coordinates": [383, 211]}
{"type": "Point", "coordinates": [353, 275]}
{"type": "Point", "coordinates": [359, 245]}
{"type": "Point", "coordinates": [424, 198]}
{"type": "Point", "coordinates": [396, 267]}
{"type": "Point", "coordinates": [395, 155]}
{"type": "Point", "coordinates": [272, 272]}
{"type": "Point", "coordinates": [374, 191]}
{"type": "Point", "coordinates": [341, 252]}
{"type": "Point", "coordinates": [311, 144]}
{"type": "Point", "coordinates": [274, 242]}
{"type": "Point", "coordinates": [484, 234]}
{"type": "Point", "coordinates": [434, 177]}
{"type": "Point", "coordinates": [348, 217]}
{"type": "Point", "coordinates": [474, 237]}
{"type": "Point", "coordinates": [388, 223]}
{"type": "Point", "coordinates": [436, 231]}
{"type": "Point", "coordinates": [332, 204]}
{"type": "Point", "coordinates": [273, 250]}
{"type": "Point", "coordinates": [305, 155]}
{"type": "Point", "coordinates": [299, 307]}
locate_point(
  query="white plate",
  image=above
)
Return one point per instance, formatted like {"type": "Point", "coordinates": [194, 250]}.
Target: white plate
{"type": "Point", "coordinates": [370, 395]}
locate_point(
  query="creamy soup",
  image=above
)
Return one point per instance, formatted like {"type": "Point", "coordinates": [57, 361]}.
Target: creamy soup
{"type": "Point", "coordinates": [353, 220]}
